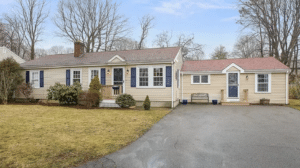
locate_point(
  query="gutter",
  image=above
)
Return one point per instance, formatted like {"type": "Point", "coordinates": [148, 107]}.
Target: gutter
{"type": "Point", "coordinates": [287, 88]}
{"type": "Point", "coordinates": [181, 86]}
{"type": "Point", "coordinates": [91, 65]}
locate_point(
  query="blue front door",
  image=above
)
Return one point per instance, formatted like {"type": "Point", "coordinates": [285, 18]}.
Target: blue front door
{"type": "Point", "coordinates": [233, 85]}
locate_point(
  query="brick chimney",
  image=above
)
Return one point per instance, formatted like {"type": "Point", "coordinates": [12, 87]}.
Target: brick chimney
{"type": "Point", "coordinates": [78, 48]}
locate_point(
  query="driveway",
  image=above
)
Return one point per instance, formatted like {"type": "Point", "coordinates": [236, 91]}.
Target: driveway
{"type": "Point", "coordinates": [195, 136]}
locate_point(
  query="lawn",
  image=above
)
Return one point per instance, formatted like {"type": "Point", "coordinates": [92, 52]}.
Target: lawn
{"type": "Point", "coordinates": [42, 136]}
{"type": "Point", "coordinates": [295, 103]}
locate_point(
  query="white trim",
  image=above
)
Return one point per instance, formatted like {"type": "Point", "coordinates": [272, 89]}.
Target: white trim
{"type": "Point", "coordinates": [28, 67]}
{"type": "Point", "coordinates": [182, 87]}
{"type": "Point", "coordinates": [200, 75]}
{"type": "Point", "coordinates": [173, 81]}
{"type": "Point", "coordinates": [30, 78]}
{"type": "Point", "coordinates": [269, 83]}
{"type": "Point", "coordinates": [76, 69]}
{"type": "Point", "coordinates": [287, 88]}
{"type": "Point", "coordinates": [233, 65]}
{"type": "Point", "coordinates": [112, 77]}
{"type": "Point", "coordinates": [246, 71]}
{"type": "Point", "coordinates": [116, 56]}
{"type": "Point", "coordinates": [176, 58]}
{"type": "Point", "coordinates": [90, 73]}
{"type": "Point", "coordinates": [150, 77]}
{"type": "Point", "coordinates": [229, 99]}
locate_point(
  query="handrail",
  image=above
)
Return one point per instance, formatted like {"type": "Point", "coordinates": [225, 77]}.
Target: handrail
{"type": "Point", "coordinates": [111, 91]}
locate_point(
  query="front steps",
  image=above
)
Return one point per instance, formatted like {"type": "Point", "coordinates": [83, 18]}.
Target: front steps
{"type": "Point", "coordinates": [109, 103]}
{"type": "Point", "coordinates": [235, 103]}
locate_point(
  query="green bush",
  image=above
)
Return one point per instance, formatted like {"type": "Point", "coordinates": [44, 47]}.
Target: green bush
{"type": "Point", "coordinates": [125, 100]}
{"type": "Point", "coordinates": [294, 91]}
{"type": "Point", "coordinates": [147, 103]}
{"type": "Point", "coordinates": [89, 99]}
{"type": "Point", "coordinates": [95, 87]}
{"type": "Point", "coordinates": [65, 94]}
{"type": "Point", "coordinates": [10, 78]}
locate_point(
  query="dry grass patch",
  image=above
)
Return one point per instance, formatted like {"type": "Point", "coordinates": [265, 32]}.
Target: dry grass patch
{"type": "Point", "coordinates": [42, 136]}
{"type": "Point", "coordinates": [294, 103]}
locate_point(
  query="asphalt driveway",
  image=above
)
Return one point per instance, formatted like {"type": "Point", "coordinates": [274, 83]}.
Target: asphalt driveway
{"type": "Point", "coordinates": [195, 136]}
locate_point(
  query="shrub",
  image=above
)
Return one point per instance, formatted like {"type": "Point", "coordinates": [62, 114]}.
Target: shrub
{"type": "Point", "coordinates": [125, 100]}
{"type": "Point", "coordinates": [65, 94]}
{"type": "Point", "coordinates": [25, 89]}
{"type": "Point", "coordinates": [89, 99]}
{"type": "Point", "coordinates": [10, 78]}
{"type": "Point", "coordinates": [95, 87]}
{"type": "Point", "coordinates": [147, 103]}
{"type": "Point", "coordinates": [294, 91]}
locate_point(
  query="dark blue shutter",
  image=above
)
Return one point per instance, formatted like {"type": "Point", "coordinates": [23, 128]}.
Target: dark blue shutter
{"type": "Point", "coordinates": [27, 76]}
{"type": "Point", "coordinates": [41, 78]}
{"type": "Point", "coordinates": [133, 77]}
{"type": "Point", "coordinates": [168, 76]}
{"type": "Point", "coordinates": [103, 78]}
{"type": "Point", "coordinates": [68, 77]}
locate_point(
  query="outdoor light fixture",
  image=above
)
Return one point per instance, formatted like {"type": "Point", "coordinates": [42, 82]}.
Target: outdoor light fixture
{"type": "Point", "coordinates": [127, 70]}
{"type": "Point", "coordinates": [247, 77]}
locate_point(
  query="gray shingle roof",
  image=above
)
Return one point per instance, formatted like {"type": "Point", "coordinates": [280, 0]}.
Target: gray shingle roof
{"type": "Point", "coordinates": [101, 58]}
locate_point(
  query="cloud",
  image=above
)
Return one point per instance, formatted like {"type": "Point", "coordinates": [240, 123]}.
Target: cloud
{"type": "Point", "coordinates": [141, 1]}
{"type": "Point", "coordinates": [234, 18]}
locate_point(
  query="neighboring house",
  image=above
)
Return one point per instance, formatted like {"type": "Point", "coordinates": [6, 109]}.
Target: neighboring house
{"type": "Point", "coordinates": [162, 74]}
{"type": "Point", "coordinates": [237, 80]}
{"type": "Point", "coordinates": [137, 72]}
{"type": "Point", "coordinates": [6, 53]}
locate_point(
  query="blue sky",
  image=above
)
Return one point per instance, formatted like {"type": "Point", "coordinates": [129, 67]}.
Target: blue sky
{"type": "Point", "coordinates": [213, 22]}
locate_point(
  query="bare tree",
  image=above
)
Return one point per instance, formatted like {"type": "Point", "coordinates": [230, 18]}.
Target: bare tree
{"type": "Point", "coordinates": [125, 44]}
{"type": "Point", "coordinates": [40, 52]}
{"type": "Point", "coordinates": [146, 23]}
{"type": "Point", "coordinates": [54, 50]}
{"type": "Point", "coordinates": [163, 39]}
{"type": "Point", "coordinates": [246, 46]}
{"type": "Point", "coordinates": [279, 20]}
{"type": "Point", "coordinates": [220, 53]}
{"type": "Point", "coordinates": [29, 16]}
{"type": "Point", "coordinates": [94, 22]}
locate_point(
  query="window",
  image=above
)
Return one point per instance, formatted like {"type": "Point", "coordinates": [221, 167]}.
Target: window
{"type": "Point", "coordinates": [143, 77]}
{"type": "Point", "coordinates": [158, 77]}
{"type": "Point", "coordinates": [76, 76]}
{"type": "Point", "coordinates": [93, 73]}
{"type": "Point", "coordinates": [151, 77]}
{"type": "Point", "coordinates": [204, 79]}
{"type": "Point", "coordinates": [263, 83]}
{"type": "Point", "coordinates": [200, 79]}
{"type": "Point", "coordinates": [35, 79]}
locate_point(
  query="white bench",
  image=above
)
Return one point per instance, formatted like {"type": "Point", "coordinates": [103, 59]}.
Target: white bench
{"type": "Point", "coordinates": [200, 96]}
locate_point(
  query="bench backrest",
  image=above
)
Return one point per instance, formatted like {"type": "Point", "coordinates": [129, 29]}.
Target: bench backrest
{"type": "Point", "coordinates": [200, 94]}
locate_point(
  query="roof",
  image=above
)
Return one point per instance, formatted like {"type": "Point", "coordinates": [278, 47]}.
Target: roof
{"type": "Point", "coordinates": [267, 63]}
{"type": "Point", "coordinates": [6, 53]}
{"type": "Point", "coordinates": [100, 58]}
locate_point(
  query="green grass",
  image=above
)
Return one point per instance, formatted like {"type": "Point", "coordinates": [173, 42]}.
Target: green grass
{"type": "Point", "coordinates": [42, 136]}
{"type": "Point", "coordinates": [294, 103]}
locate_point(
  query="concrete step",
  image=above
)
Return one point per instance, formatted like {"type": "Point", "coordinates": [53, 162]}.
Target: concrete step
{"type": "Point", "coordinates": [235, 103]}
{"type": "Point", "coordinates": [109, 103]}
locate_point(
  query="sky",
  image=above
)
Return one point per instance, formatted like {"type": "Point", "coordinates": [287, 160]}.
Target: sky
{"type": "Point", "coordinates": [213, 22]}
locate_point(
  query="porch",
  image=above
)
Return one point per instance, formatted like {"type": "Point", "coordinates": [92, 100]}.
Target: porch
{"type": "Point", "coordinates": [243, 99]}
{"type": "Point", "coordinates": [110, 93]}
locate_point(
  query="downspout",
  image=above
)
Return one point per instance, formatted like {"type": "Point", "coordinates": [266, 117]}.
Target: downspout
{"type": "Point", "coordinates": [173, 84]}
{"type": "Point", "coordinates": [287, 87]}
{"type": "Point", "coordinates": [181, 86]}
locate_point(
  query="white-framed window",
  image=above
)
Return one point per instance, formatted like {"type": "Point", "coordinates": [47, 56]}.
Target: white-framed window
{"type": "Point", "coordinates": [94, 72]}
{"type": "Point", "coordinates": [76, 76]}
{"type": "Point", "coordinates": [262, 83]}
{"type": "Point", "coordinates": [151, 77]}
{"type": "Point", "coordinates": [143, 77]}
{"type": "Point", "coordinates": [200, 79]}
{"type": "Point", "coordinates": [35, 79]}
{"type": "Point", "coordinates": [158, 77]}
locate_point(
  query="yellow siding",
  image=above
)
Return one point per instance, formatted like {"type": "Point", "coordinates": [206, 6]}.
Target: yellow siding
{"type": "Point", "coordinates": [232, 69]}
{"type": "Point", "coordinates": [218, 82]}
{"type": "Point", "coordinates": [278, 88]}
{"type": "Point", "coordinates": [139, 94]}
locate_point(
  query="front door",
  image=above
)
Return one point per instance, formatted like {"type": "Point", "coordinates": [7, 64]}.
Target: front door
{"type": "Point", "coordinates": [118, 78]}
{"type": "Point", "coordinates": [233, 85]}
